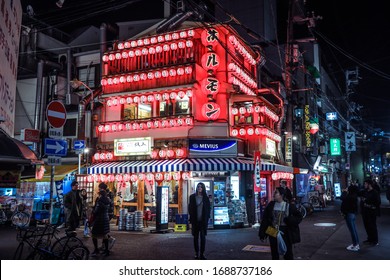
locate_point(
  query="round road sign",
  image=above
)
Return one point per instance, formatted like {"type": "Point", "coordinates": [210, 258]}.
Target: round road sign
{"type": "Point", "coordinates": [56, 114]}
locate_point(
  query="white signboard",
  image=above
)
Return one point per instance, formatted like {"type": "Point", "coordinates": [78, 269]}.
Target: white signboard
{"type": "Point", "coordinates": [133, 146]}
{"type": "Point", "coordinates": [350, 141]}
{"type": "Point", "coordinates": [10, 23]}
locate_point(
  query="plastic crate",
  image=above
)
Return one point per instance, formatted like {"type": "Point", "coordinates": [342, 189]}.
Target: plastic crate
{"type": "Point", "coordinates": [180, 228]}
{"type": "Point", "coordinates": [181, 219]}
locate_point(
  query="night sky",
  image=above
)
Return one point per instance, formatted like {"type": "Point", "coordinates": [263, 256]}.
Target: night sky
{"type": "Point", "coordinates": [360, 29]}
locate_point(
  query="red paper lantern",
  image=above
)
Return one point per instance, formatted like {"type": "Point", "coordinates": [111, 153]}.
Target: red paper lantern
{"type": "Point", "coordinates": [211, 110]}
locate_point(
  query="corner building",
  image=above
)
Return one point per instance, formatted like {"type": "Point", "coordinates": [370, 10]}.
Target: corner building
{"type": "Point", "coordinates": [183, 107]}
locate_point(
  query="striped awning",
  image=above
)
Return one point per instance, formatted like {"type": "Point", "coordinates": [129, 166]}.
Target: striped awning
{"type": "Point", "coordinates": [190, 164]}
{"type": "Point", "coordinates": [265, 166]}
{"type": "Point", "coordinates": [139, 166]}
{"type": "Point", "coordinates": [219, 164]}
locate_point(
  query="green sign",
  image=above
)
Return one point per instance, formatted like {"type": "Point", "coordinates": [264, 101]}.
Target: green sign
{"type": "Point", "coordinates": [335, 149]}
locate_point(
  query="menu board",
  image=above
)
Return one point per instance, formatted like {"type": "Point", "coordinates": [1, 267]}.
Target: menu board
{"type": "Point", "coordinates": [162, 208]}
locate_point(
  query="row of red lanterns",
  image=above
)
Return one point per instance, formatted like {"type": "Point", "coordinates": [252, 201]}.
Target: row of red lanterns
{"type": "Point", "coordinates": [254, 109]}
{"type": "Point", "coordinates": [134, 177]}
{"type": "Point", "coordinates": [148, 98]}
{"type": "Point", "coordinates": [137, 77]}
{"type": "Point", "coordinates": [250, 131]}
{"type": "Point", "coordinates": [152, 124]}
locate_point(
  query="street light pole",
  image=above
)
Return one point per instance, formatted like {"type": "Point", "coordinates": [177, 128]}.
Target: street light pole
{"type": "Point", "coordinates": [76, 84]}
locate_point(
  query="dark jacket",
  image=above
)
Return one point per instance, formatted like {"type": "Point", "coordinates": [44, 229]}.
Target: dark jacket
{"type": "Point", "coordinates": [349, 202]}
{"type": "Point", "coordinates": [101, 224]}
{"type": "Point", "coordinates": [292, 221]}
{"type": "Point", "coordinates": [193, 212]}
{"type": "Point", "coordinates": [73, 203]}
{"type": "Point", "coordinates": [370, 202]}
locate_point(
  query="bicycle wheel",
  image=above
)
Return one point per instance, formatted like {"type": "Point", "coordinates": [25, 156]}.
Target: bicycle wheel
{"type": "Point", "coordinates": [309, 208]}
{"type": "Point", "coordinates": [315, 201]}
{"type": "Point", "coordinates": [20, 219]}
{"type": "Point", "coordinates": [62, 246]}
{"type": "Point", "coordinates": [302, 210]}
{"type": "Point", "coordinates": [77, 253]}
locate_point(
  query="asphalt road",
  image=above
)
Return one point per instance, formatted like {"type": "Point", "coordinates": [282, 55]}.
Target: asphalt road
{"type": "Point", "coordinates": [324, 236]}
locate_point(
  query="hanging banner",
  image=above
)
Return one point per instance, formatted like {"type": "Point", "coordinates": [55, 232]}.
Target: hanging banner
{"type": "Point", "coordinates": [256, 179]}
{"type": "Point", "coordinates": [350, 141]}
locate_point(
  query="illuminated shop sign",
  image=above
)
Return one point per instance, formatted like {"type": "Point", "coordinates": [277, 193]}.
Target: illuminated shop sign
{"type": "Point", "coordinates": [270, 147]}
{"type": "Point", "coordinates": [212, 147]}
{"type": "Point", "coordinates": [132, 146]}
{"type": "Point", "coordinates": [331, 116]}
{"type": "Point", "coordinates": [335, 149]}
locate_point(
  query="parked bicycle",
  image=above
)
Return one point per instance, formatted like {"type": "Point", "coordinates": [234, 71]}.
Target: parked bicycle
{"type": "Point", "coordinates": [44, 243]}
{"type": "Point", "coordinates": [305, 208]}
{"type": "Point", "coordinates": [3, 216]}
{"type": "Point", "coordinates": [20, 217]}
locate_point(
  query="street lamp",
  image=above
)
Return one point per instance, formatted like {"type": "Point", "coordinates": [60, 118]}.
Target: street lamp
{"type": "Point", "coordinates": [75, 83]}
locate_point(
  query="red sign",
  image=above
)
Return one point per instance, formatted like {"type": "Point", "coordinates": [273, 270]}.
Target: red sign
{"type": "Point", "coordinates": [29, 135]}
{"type": "Point", "coordinates": [56, 114]}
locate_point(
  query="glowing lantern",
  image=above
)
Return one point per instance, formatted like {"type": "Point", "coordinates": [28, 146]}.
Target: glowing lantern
{"type": "Point", "coordinates": [90, 178]}
{"type": "Point", "coordinates": [167, 176]}
{"type": "Point", "coordinates": [170, 153]}
{"type": "Point", "coordinates": [159, 176]}
{"type": "Point", "coordinates": [133, 177]}
{"type": "Point", "coordinates": [185, 176]}
{"type": "Point", "coordinates": [141, 176]}
{"type": "Point", "coordinates": [210, 85]}
{"type": "Point", "coordinates": [180, 152]}
{"type": "Point", "coordinates": [162, 153]}
{"type": "Point", "coordinates": [149, 176]}
{"type": "Point", "coordinates": [209, 37]}
{"type": "Point", "coordinates": [211, 110]}
{"type": "Point", "coordinates": [210, 61]}
{"type": "Point", "coordinates": [126, 177]}
{"type": "Point", "coordinates": [154, 154]}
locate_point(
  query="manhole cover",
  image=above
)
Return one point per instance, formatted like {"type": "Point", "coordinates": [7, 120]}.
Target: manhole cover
{"type": "Point", "coordinates": [325, 225]}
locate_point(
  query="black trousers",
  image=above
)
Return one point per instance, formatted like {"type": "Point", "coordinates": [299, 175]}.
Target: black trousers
{"type": "Point", "coordinates": [198, 231]}
{"type": "Point", "coordinates": [369, 222]}
{"type": "Point", "coordinates": [274, 245]}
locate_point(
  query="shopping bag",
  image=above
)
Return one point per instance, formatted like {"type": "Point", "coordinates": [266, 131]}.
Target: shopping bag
{"type": "Point", "coordinates": [282, 248]}
{"type": "Point", "coordinates": [271, 231]}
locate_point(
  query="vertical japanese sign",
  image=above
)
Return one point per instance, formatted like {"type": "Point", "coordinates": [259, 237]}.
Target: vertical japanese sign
{"type": "Point", "coordinates": [10, 25]}
{"type": "Point", "coordinates": [350, 141]}
{"type": "Point", "coordinates": [256, 175]}
{"type": "Point", "coordinates": [288, 148]}
{"type": "Point", "coordinates": [335, 149]}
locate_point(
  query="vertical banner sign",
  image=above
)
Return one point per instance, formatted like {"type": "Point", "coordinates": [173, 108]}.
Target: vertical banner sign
{"type": "Point", "coordinates": [162, 208]}
{"type": "Point", "coordinates": [10, 25]}
{"type": "Point", "coordinates": [335, 149]}
{"type": "Point", "coordinates": [288, 148]}
{"type": "Point", "coordinates": [256, 176]}
{"type": "Point", "coordinates": [350, 141]}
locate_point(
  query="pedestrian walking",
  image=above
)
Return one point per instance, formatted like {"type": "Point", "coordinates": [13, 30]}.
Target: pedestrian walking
{"type": "Point", "coordinates": [101, 223]}
{"type": "Point", "coordinates": [199, 210]}
{"type": "Point", "coordinates": [110, 196]}
{"type": "Point", "coordinates": [73, 207]}
{"type": "Point", "coordinates": [370, 202]}
{"type": "Point", "coordinates": [349, 209]}
{"type": "Point", "coordinates": [284, 217]}
{"type": "Point", "coordinates": [85, 210]}
{"type": "Point", "coordinates": [288, 196]}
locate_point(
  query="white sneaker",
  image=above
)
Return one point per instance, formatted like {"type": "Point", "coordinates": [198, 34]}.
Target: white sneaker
{"type": "Point", "coordinates": [350, 247]}
{"type": "Point", "coordinates": [354, 248]}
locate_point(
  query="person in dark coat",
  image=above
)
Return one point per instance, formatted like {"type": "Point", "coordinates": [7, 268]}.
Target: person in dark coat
{"type": "Point", "coordinates": [101, 223]}
{"type": "Point", "coordinates": [199, 210]}
{"type": "Point", "coordinates": [370, 202]}
{"type": "Point", "coordinates": [349, 208]}
{"type": "Point", "coordinates": [73, 204]}
{"type": "Point", "coordinates": [288, 223]}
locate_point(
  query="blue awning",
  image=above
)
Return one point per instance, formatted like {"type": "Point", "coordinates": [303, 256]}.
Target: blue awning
{"type": "Point", "coordinates": [193, 164]}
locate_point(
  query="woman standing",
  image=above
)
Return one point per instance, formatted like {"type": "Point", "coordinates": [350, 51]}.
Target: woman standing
{"type": "Point", "coordinates": [286, 218]}
{"type": "Point", "coordinates": [199, 210]}
{"type": "Point", "coordinates": [349, 208]}
{"type": "Point", "coordinates": [101, 224]}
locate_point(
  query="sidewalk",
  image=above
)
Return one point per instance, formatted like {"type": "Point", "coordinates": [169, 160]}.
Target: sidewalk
{"type": "Point", "coordinates": [324, 236]}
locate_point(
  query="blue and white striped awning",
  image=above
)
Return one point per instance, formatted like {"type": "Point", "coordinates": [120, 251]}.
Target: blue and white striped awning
{"type": "Point", "coordinates": [219, 164]}
{"type": "Point", "coordinates": [139, 166]}
{"type": "Point", "coordinates": [268, 166]}
{"type": "Point", "coordinates": [190, 164]}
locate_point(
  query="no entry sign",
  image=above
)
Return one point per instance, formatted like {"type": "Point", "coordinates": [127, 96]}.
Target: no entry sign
{"type": "Point", "coordinates": [56, 114]}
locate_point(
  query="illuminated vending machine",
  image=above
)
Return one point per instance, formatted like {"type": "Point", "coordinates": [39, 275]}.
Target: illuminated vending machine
{"type": "Point", "coordinates": [221, 211]}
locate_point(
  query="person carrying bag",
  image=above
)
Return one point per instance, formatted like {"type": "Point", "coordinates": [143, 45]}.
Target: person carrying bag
{"type": "Point", "coordinates": [285, 218]}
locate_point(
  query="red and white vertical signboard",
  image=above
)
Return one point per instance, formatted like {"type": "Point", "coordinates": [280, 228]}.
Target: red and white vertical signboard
{"type": "Point", "coordinates": [256, 175]}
